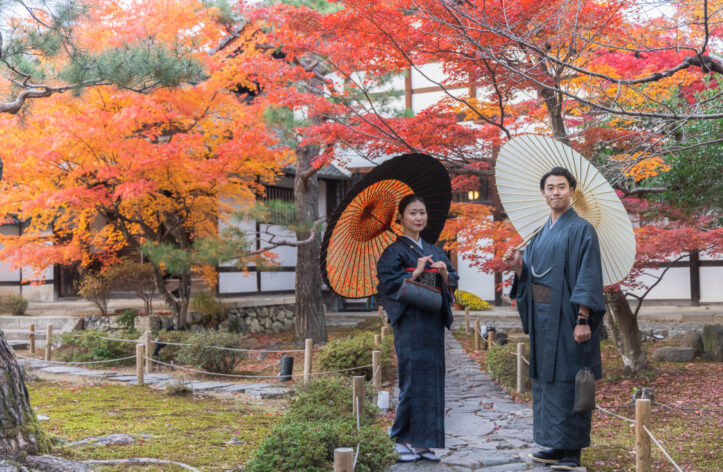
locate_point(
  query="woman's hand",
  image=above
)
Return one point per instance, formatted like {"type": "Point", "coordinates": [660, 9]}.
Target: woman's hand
{"type": "Point", "coordinates": [421, 264]}
{"type": "Point", "coordinates": [441, 267]}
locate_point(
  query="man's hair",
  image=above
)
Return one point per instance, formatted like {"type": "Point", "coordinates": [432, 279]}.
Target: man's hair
{"type": "Point", "coordinates": [560, 171]}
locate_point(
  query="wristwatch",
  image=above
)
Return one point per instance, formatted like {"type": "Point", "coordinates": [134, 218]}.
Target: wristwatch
{"type": "Point", "coordinates": [581, 321]}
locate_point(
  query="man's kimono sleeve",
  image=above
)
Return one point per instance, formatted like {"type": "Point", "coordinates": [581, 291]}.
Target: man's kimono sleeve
{"type": "Point", "coordinates": [588, 288]}
{"type": "Point", "coordinates": [520, 293]}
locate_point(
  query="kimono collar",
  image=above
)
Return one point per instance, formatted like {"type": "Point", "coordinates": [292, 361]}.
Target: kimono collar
{"type": "Point", "coordinates": [570, 211]}
{"type": "Point", "coordinates": [418, 243]}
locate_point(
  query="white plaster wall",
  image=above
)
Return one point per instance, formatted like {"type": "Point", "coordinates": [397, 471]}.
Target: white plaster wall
{"type": "Point", "coordinates": [711, 284]}
{"type": "Point", "coordinates": [236, 282]}
{"type": "Point", "coordinates": [277, 281]}
{"type": "Point", "coordinates": [475, 281]}
{"type": "Point", "coordinates": [675, 284]}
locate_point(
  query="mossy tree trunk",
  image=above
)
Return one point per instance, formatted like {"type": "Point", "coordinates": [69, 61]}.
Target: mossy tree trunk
{"type": "Point", "coordinates": [20, 432]}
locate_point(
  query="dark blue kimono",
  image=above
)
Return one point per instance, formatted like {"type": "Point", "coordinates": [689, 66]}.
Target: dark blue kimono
{"type": "Point", "coordinates": [419, 344]}
{"type": "Point", "coordinates": [566, 258]}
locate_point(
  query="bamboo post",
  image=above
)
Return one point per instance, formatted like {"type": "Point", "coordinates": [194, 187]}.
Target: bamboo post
{"type": "Point", "coordinates": [308, 348]}
{"type": "Point", "coordinates": [377, 369]}
{"type": "Point", "coordinates": [49, 343]}
{"type": "Point", "coordinates": [343, 459]}
{"type": "Point", "coordinates": [31, 338]}
{"type": "Point", "coordinates": [147, 343]}
{"type": "Point", "coordinates": [520, 368]}
{"type": "Point", "coordinates": [377, 339]}
{"type": "Point", "coordinates": [380, 310]}
{"type": "Point", "coordinates": [476, 335]}
{"type": "Point", "coordinates": [466, 321]}
{"type": "Point", "coordinates": [139, 363]}
{"type": "Point", "coordinates": [642, 440]}
{"type": "Point", "coordinates": [358, 395]}
{"type": "Point", "coordinates": [385, 332]}
{"type": "Point", "coordinates": [490, 339]}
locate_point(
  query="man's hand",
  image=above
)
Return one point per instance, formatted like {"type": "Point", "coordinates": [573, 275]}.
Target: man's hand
{"type": "Point", "coordinates": [582, 333]}
{"type": "Point", "coordinates": [513, 257]}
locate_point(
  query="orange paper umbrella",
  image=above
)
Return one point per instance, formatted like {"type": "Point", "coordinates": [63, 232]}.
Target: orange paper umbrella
{"type": "Point", "coordinates": [364, 223]}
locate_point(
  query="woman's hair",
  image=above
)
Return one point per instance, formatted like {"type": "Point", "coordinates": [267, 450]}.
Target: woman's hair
{"type": "Point", "coordinates": [406, 200]}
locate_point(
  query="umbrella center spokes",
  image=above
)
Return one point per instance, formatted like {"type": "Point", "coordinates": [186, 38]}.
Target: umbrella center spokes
{"type": "Point", "coordinates": [587, 207]}
{"type": "Point", "coordinates": [375, 218]}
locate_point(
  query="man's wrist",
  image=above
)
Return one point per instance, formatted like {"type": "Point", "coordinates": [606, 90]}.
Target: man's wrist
{"type": "Point", "coordinates": [581, 321]}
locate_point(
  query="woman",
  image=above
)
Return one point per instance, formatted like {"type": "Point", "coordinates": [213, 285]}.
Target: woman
{"type": "Point", "coordinates": [418, 334]}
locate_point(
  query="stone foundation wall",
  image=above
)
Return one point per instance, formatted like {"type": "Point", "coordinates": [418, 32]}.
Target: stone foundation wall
{"type": "Point", "coordinates": [243, 317]}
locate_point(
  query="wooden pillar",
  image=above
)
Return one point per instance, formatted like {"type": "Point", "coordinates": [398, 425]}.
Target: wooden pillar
{"type": "Point", "coordinates": [49, 343]}
{"type": "Point", "coordinates": [466, 321]}
{"type": "Point", "coordinates": [148, 350]}
{"type": "Point", "coordinates": [408, 104]}
{"type": "Point", "coordinates": [694, 278]}
{"type": "Point", "coordinates": [490, 339]}
{"type": "Point", "coordinates": [139, 363]}
{"type": "Point", "coordinates": [377, 369]}
{"type": "Point", "coordinates": [343, 459]}
{"type": "Point", "coordinates": [642, 440]}
{"type": "Point", "coordinates": [521, 368]}
{"type": "Point", "coordinates": [377, 339]}
{"type": "Point", "coordinates": [31, 338]}
{"type": "Point", "coordinates": [476, 335]}
{"type": "Point", "coordinates": [358, 395]}
{"type": "Point", "coordinates": [308, 350]}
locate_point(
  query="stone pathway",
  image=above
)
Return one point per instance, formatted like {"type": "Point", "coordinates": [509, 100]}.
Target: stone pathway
{"type": "Point", "coordinates": [485, 429]}
{"type": "Point", "coordinates": [157, 380]}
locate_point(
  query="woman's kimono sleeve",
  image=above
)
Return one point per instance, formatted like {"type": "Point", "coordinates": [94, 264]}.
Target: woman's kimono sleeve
{"type": "Point", "coordinates": [391, 272]}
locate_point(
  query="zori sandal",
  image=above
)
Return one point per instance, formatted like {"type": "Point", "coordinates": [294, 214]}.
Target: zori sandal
{"type": "Point", "coordinates": [426, 454]}
{"type": "Point", "coordinates": [405, 453]}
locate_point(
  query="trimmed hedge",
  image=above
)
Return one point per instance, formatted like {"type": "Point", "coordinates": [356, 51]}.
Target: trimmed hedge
{"type": "Point", "coordinates": [320, 420]}
{"type": "Point", "coordinates": [501, 364]}
{"type": "Point", "coordinates": [356, 351]}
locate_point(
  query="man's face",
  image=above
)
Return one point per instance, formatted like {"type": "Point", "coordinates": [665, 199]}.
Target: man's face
{"type": "Point", "coordinates": [557, 193]}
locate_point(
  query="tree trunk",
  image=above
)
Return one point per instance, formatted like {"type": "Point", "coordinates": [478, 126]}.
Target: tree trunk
{"type": "Point", "coordinates": [20, 431]}
{"type": "Point", "coordinates": [553, 103]}
{"type": "Point", "coordinates": [178, 306]}
{"type": "Point", "coordinates": [630, 347]}
{"type": "Point", "coordinates": [310, 321]}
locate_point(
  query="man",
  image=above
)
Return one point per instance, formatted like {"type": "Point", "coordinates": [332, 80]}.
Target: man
{"type": "Point", "coordinates": [559, 292]}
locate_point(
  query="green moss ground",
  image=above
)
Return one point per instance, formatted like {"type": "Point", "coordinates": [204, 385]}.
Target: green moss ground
{"type": "Point", "coordinates": [192, 430]}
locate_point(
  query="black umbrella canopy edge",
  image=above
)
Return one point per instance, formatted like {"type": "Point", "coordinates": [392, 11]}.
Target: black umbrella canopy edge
{"type": "Point", "coordinates": [425, 175]}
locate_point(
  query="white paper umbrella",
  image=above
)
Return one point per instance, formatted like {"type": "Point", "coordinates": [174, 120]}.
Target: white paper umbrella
{"type": "Point", "coordinates": [521, 164]}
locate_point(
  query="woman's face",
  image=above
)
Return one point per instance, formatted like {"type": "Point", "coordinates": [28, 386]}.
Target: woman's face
{"type": "Point", "coordinates": [414, 218]}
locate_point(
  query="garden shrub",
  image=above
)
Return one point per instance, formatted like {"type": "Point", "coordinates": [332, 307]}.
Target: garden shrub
{"type": "Point", "coordinates": [214, 311]}
{"type": "Point", "coordinates": [502, 364]}
{"type": "Point", "coordinates": [309, 447]}
{"type": "Point", "coordinates": [168, 352]}
{"type": "Point", "coordinates": [14, 304]}
{"type": "Point", "coordinates": [132, 276]}
{"type": "Point", "coordinates": [356, 351]}
{"type": "Point", "coordinates": [304, 441]}
{"type": "Point", "coordinates": [95, 287]}
{"type": "Point", "coordinates": [87, 346]}
{"type": "Point", "coordinates": [200, 353]}
{"type": "Point", "coordinates": [128, 319]}
{"type": "Point", "coordinates": [471, 301]}
{"type": "Point", "coordinates": [329, 399]}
